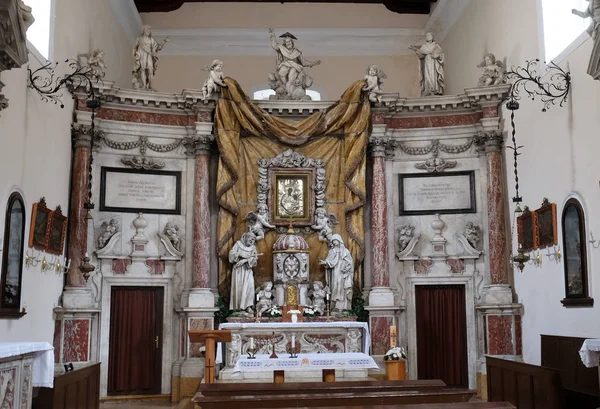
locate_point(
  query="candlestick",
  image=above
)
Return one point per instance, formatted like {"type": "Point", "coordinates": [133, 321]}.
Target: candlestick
{"type": "Point", "coordinates": [251, 342]}
{"type": "Point", "coordinates": [393, 336]}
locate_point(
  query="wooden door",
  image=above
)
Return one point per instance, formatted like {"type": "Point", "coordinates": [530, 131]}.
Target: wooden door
{"type": "Point", "coordinates": [135, 341]}
{"type": "Point", "coordinates": [442, 334]}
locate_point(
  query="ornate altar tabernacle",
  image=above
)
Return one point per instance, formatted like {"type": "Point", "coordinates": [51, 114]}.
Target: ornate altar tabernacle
{"type": "Point", "coordinates": [291, 261]}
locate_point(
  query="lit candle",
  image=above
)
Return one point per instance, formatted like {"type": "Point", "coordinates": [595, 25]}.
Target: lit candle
{"type": "Point", "coordinates": [327, 296]}
{"type": "Point", "coordinates": [251, 342]}
{"type": "Point", "coordinates": [393, 336]}
{"type": "Point", "coordinates": [86, 254]}
{"type": "Point", "coordinates": [257, 297]}
{"type": "Point", "coordinates": [293, 341]}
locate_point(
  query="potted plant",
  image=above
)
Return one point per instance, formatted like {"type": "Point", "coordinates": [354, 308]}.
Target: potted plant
{"type": "Point", "coordinates": [395, 364]}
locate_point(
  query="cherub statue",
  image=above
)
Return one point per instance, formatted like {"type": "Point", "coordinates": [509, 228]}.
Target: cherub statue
{"type": "Point", "coordinates": [318, 294]}
{"type": "Point", "coordinates": [95, 61]}
{"type": "Point", "coordinates": [300, 85]}
{"type": "Point", "coordinates": [234, 347]}
{"type": "Point", "coordinates": [473, 234]}
{"type": "Point", "coordinates": [324, 223]}
{"type": "Point", "coordinates": [406, 234]}
{"type": "Point", "coordinates": [108, 230]}
{"type": "Point", "coordinates": [171, 232]}
{"type": "Point", "coordinates": [25, 16]}
{"type": "Point", "coordinates": [374, 78]}
{"type": "Point", "coordinates": [214, 82]}
{"type": "Point", "coordinates": [492, 71]}
{"type": "Point", "coordinates": [265, 297]}
{"type": "Point", "coordinates": [258, 221]}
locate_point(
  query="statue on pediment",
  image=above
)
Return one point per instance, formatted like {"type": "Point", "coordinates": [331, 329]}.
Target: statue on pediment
{"type": "Point", "coordinates": [492, 71]}
{"type": "Point", "coordinates": [593, 11]}
{"type": "Point", "coordinates": [213, 84]}
{"type": "Point", "coordinates": [145, 59]}
{"type": "Point", "coordinates": [431, 66]}
{"type": "Point", "coordinates": [290, 82]}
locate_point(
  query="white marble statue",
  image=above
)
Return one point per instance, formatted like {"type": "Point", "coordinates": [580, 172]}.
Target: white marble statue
{"type": "Point", "coordinates": [25, 16]}
{"type": "Point", "coordinates": [95, 61]}
{"type": "Point", "coordinates": [244, 258]}
{"type": "Point", "coordinates": [109, 229]}
{"type": "Point", "coordinates": [473, 234]}
{"type": "Point", "coordinates": [214, 82]}
{"type": "Point", "coordinates": [340, 272]}
{"type": "Point", "coordinates": [265, 298]}
{"type": "Point", "coordinates": [406, 234]}
{"type": "Point", "coordinates": [234, 349]}
{"type": "Point", "coordinates": [492, 71]}
{"type": "Point", "coordinates": [318, 293]}
{"type": "Point", "coordinates": [324, 223]}
{"type": "Point", "coordinates": [289, 81]}
{"type": "Point", "coordinates": [431, 66]}
{"type": "Point", "coordinates": [374, 78]}
{"type": "Point", "coordinates": [593, 11]}
{"type": "Point", "coordinates": [171, 232]}
{"type": "Point", "coordinates": [145, 59]}
{"type": "Point", "coordinates": [259, 221]}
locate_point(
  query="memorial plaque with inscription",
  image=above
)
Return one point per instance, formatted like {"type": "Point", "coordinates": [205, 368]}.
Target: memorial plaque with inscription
{"type": "Point", "coordinates": [447, 193]}
{"type": "Point", "coordinates": [133, 191]}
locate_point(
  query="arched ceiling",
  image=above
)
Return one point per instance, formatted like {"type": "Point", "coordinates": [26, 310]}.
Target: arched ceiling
{"type": "Point", "coordinates": [398, 6]}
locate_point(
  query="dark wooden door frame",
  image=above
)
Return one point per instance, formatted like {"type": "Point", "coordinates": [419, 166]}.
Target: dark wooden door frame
{"type": "Point", "coordinates": [158, 334]}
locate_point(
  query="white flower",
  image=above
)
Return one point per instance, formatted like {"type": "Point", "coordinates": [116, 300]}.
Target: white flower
{"type": "Point", "coordinates": [396, 353]}
{"type": "Point", "coordinates": [202, 349]}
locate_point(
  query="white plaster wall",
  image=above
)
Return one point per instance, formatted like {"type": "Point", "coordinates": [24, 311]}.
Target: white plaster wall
{"type": "Point", "coordinates": [559, 158]}
{"type": "Point", "coordinates": [35, 155]}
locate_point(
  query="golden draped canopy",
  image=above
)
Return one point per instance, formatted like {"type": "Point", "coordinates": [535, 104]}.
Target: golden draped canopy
{"type": "Point", "coordinates": [245, 133]}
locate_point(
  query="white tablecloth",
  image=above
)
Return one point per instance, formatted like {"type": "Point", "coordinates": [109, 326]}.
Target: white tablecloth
{"type": "Point", "coordinates": [305, 362]}
{"type": "Point", "coordinates": [590, 352]}
{"type": "Point", "coordinates": [275, 326]}
{"type": "Point", "coordinates": [43, 361]}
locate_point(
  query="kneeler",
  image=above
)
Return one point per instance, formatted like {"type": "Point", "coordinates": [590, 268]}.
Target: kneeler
{"type": "Point", "coordinates": [210, 337]}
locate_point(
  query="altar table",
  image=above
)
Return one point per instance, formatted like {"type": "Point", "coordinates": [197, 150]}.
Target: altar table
{"type": "Point", "coordinates": [590, 353]}
{"type": "Point", "coordinates": [327, 363]}
{"type": "Point", "coordinates": [24, 365]}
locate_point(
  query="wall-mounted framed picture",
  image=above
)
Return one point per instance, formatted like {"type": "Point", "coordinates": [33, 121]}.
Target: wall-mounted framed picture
{"type": "Point", "coordinates": [437, 193]}
{"type": "Point", "coordinates": [546, 232]}
{"type": "Point", "coordinates": [40, 224]}
{"type": "Point", "coordinates": [57, 232]}
{"type": "Point", "coordinates": [12, 258]}
{"type": "Point", "coordinates": [124, 190]}
{"type": "Point", "coordinates": [526, 230]}
{"type": "Point", "coordinates": [291, 196]}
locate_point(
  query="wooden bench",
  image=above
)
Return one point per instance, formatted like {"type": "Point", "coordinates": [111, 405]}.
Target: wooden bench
{"type": "Point", "coordinates": [319, 400]}
{"type": "Point", "coordinates": [468, 405]}
{"type": "Point", "coordinates": [238, 389]}
{"type": "Point", "coordinates": [79, 389]}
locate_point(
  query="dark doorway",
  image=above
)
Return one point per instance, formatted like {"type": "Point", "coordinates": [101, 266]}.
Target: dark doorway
{"type": "Point", "coordinates": [442, 334]}
{"type": "Point", "coordinates": [135, 344]}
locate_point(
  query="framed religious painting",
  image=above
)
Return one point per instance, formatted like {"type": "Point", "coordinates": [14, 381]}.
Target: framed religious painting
{"type": "Point", "coordinates": [525, 230]}
{"type": "Point", "coordinates": [40, 224]}
{"type": "Point", "coordinates": [290, 196]}
{"type": "Point", "coordinates": [545, 225]}
{"type": "Point", "coordinates": [57, 232]}
{"type": "Point", "coordinates": [12, 258]}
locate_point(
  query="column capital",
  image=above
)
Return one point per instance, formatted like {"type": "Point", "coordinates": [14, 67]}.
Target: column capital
{"type": "Point", "coordinates": [491, 140]}
{"type": "Point", "coordinates": [81, 134]}
{"type": "Point", "coordinates": [198, 144]}
{"type": "Point", "coordinates": [380, 145]}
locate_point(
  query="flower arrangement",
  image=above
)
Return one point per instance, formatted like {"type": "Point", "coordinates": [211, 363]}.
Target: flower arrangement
{"type": "Point", "coordinates": [273, 312]}
{"type": "Point", "coordinates": [309, 312]}
{"type": "Point", "coordinates": [395, 354]}
{"type": "Point", "coordinates": [202, 350]}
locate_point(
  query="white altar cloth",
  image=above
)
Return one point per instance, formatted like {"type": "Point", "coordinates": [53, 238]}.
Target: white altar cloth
{"type": "Point", "coordinates": [305, 362]}
{"type": "Point", "coordinates": [590, 352]}
{"type": "Point", "coordinates": [42, 372]}
{"type": "Point", "coordinates": [275, 326]}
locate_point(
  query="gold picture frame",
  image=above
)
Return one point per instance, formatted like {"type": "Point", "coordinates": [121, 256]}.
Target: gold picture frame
{"type": "Point", "coordinates": [291, 197]}
{"type": "Point", "coordinates": [40, 223]}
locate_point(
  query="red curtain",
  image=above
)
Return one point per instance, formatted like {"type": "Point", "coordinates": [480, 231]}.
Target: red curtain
{"type": "Point", "coordinates": [442, 334]}
{"type": "Point", "coordinates": [134, 324]}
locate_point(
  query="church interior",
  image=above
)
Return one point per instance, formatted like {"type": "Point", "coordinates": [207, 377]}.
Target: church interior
{"type": "Point", "coordinates": [277, 204]}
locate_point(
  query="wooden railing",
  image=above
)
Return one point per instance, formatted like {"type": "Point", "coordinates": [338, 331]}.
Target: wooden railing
{"type": "Point", "coordinates": [525, 386]}
{"type": "Point", "coordinates": [79, 389]}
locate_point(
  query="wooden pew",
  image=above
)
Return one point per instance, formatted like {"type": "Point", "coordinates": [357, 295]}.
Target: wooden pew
{"type": "Point", "coordinates": [318, 400]}
{"type": "Point", "coordinates": [238, 389]}
{"type": "Point", "coordinates": [468, 405]}
{"type": "Point", "coordinates": [524, 385]}
{"type": "Point", "coordinates": [79, 389]}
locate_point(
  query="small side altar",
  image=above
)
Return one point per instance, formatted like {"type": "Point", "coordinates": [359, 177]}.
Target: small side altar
{"type": "Point", "coordinates": [308, 337]}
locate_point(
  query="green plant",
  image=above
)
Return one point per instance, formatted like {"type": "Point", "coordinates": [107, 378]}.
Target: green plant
{"type": "Point", "coordinates": [223, 311]}
{"type": "Point", "coordinates": [358, 309]}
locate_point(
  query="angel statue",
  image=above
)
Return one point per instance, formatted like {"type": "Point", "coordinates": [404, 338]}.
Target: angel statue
{"type": "Point", "coordinates": [214, 82]}
{"type": "Point", "coordinates": [95, 61]}
{"type": "Point", "coordinates": [318, 294]}
{"type": "Point", "coordinates": [109, 229]}
{"type": "Point", "coordinates": [406, 234]}
{"type": "Point", "coordinates": [374, 78]}
{"type": "Point", "coordinates": [324, 223]}
{"type": "Point", "coordinates": [492, 71]}
{"type": "Point", "coordinates": [593, 12]}
{"type": "Point", "coordinates": [264, 297]}
{"type": "Point", "coordinates": [473, 234]}
{"type": "Point", "coordinates": [259, 221]}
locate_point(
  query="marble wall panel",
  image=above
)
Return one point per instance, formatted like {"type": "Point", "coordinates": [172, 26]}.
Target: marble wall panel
{"type": "Point", "coordinates": [380, 334]}
{"type": "Point", "coordinates": [500, 339]}
{"type": "Point", "coordinates": [76, 340]}
{"type": "Point", "coordinates": [198, 324]}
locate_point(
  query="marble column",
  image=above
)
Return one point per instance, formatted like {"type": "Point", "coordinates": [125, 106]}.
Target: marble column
{"type": "Point", "coordinates": [78, 224]}
{"type": "Point", "coordinates": [379, 226]}
{"type": "Point", "coordinates": [498, 255]}
{"type": "Point", "coordinates": [201, 230]}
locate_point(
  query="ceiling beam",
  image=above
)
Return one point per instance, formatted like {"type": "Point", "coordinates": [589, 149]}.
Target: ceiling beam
{"type": "Point", "coordinates": [398, 6]}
